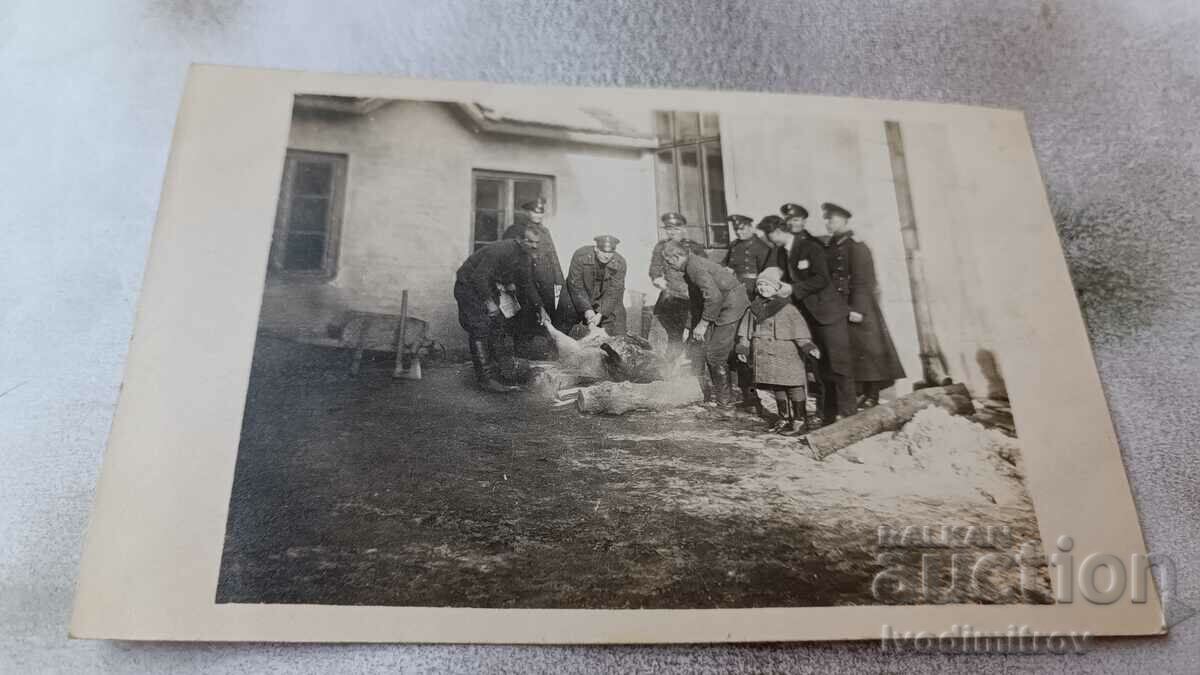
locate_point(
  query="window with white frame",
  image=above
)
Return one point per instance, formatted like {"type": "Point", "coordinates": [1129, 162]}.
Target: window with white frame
{"type": "Point", "coordinates": [689, 174]}
{"type": "Point", "coordinates": [497, 198]}
{"type": "Point", "coordinates": [308, 219]}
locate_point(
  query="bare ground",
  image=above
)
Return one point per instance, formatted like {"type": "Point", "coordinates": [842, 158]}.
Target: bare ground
{"type": "Point", "coordinates": [377, 491]}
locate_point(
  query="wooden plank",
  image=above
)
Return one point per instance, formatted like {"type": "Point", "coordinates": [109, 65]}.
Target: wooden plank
{"type": "Point", "coordinates": [933, 361]}
{"type": "Point", "coordinates": [402, 333]}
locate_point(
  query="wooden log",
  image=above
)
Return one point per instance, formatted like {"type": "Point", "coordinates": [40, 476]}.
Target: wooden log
{"type": "Point", "coordinates": [547, 379]}
{"type": "Point", "coordinates": [618, 398]}
{"type": "Point", "coordinates": [888, 416]}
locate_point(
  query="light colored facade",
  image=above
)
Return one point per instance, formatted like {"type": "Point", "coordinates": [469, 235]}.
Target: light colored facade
{"type": "Point", "coordinates": [408, 208]}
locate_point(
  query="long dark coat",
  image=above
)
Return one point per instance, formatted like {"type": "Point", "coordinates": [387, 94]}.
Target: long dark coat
{"type": "Point", "coordinates": [806, 268]}
{"type": "Point", "coordinates": [588, 283]}
{"type": "Point", "coordinates": [852, 270]}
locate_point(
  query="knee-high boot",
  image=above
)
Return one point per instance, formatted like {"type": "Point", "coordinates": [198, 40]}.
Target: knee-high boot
{"type": "Point", "coordinates": [485, 368]}
{"type": "Point", "coordinates": [785, 415]}
{"type": "Point", "coordinates": [721, 390]}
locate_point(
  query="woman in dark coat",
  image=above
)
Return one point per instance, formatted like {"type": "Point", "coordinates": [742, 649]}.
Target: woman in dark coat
{"type": "Point", "coordinates": [852, 273]}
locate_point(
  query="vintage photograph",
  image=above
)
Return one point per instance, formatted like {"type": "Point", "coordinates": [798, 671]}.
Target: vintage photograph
{"type": "Point", "coordinates": [559, 356]}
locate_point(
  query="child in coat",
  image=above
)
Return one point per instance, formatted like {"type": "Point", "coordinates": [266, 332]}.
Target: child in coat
{"type": "Point", "coordinates": [776, 339]}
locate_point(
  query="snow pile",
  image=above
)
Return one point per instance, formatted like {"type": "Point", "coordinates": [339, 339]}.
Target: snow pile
{"type": "Point", "coordinates": [946, 455]}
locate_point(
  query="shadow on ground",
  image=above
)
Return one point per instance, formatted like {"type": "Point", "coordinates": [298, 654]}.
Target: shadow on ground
{"type": "Point", "coordinates": [374, 491]}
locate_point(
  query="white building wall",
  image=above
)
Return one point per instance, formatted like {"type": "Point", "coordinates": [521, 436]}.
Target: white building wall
{"type": "Point", "coordinates": [408, 210]}
{"type": "Point", "coordinates": [957, 259]}
{"type": "Point", "coordinates": [771, 160]}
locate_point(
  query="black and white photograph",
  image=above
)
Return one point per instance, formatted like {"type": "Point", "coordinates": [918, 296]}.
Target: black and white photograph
{"type": "Point", "coordinates": [535, 354]}
{"type": "Point", "coordinates": [689, 336]}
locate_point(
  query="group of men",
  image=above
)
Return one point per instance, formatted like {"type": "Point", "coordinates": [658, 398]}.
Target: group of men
{"type": "Point", "coordinates": [503, 288]}
{"type": "Point", "coordinates": [506, 289]}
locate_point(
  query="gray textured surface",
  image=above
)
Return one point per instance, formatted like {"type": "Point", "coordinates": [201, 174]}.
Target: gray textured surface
{"type": "Point", "coordinates": [90, 92]}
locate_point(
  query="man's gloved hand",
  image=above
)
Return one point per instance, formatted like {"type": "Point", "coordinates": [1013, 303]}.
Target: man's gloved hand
{"type": "Point", "coordinates": [660, 283]}
{"type": "Point", "coordinates": [785, 290]}
{"type": "Point", "coordinates": [855, 317]}
{"type": "Point", "coordinates": [742, 350]}
{"type": "Point", "coordinates": [592, 317]}
{"type": "Point", "coordinates": [700, 331]}
{"type": "Point", "coordinates": [810, 349]}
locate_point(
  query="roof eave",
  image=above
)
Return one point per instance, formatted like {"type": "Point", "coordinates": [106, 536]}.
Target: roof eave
{"type": "Point", "coordinates": [484, 124]}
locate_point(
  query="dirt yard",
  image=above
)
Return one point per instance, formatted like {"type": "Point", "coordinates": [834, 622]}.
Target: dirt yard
{"type": "Point", "coordinates": [377, 491]}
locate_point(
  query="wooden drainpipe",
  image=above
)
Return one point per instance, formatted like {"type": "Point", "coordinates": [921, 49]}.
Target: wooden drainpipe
{"type": "Point", "coordinates": [933, 361]}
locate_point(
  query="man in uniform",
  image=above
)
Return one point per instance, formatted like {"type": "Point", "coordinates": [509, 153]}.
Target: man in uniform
{"type": "Point", "coordinates": [748, 255]}
{"type": "Point", "coordinates": [674, 306]}
{"type": "Point", "coordinates": [490, 277]}
{"type": "Point", "coordinates": [852, 271]}
{"type": "Point", "coordinates": [595, 290]}
{"type": "Point", "coordinates": [532, 340]}
{"type": "Point", "coordinates": [795, 216]}
{"type": "Point", "coordinates": [806, 273]}
{"type": "Point", "coordinates": [722, 301]}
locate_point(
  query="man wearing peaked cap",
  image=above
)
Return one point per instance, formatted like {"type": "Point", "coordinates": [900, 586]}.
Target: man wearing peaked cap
{"type": "Point", "coordinates": [594, 292]}
{"type": "Point", "coordinates": [795, 216]}
{"type": "Point", "coordinates": [748, 255]}
{"type": "Point", "coordinates": [674, 306]}
{"type": "Point", "coordinates": [673, 219]}
{"type": "Point", "coordinates": [829, 208]}
{"type": "Point", "coordinates": [499, 269]}
{"type": "Point", "coordinates": [852, 274]}
{"type": "Point", "coordinates": [530, 337]}
{"type": "Point", "coordinates": [606, 243]}
{"type": "Point", "coordinates": [805, 265]}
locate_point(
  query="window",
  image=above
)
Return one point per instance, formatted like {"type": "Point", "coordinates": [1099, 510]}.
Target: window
{"type": "Point", "coordinates": [497, 199]}
{"type": "Point", "coordinates": [309, 217]}
{"type": "Point", "coordinates": [689, 174]}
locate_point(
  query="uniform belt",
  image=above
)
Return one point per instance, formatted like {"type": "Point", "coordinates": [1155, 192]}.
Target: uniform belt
{"type": "Point", "coordinates": [748, 276]}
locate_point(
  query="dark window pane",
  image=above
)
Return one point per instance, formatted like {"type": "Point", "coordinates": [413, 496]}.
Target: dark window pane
{"type": "Point", "coordinates": [313, 178]}
{"type": "Point", "coordinates": [709, 126]}
{"type": "Point", "coordinates": [696, 234]}
{"type": "Point", "coordinates": [664, 181]}
{"type": "Point", "coordinates": [525, 191]}
{"type": "Point", "coordinates": [304, 252]}
{"type": "Point", "coordinates": [687, 126]}
{"type": "Point", "coordinates": [716, 182]}
{"type": "Point", "coordinates": [487, 224]}
{"type": "Point", "coordinates": [662, 127]}
{"type": "Point", "coordinates": [720, 236]}
{"type": "Point", "coordinates": [488, 193]}
{"type": "Point", "coordinates": [691, 197]}
{"type": "Point", "coordinates": [309, 214]}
